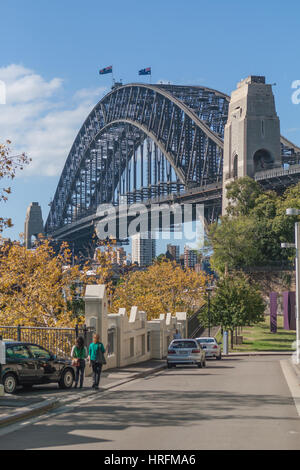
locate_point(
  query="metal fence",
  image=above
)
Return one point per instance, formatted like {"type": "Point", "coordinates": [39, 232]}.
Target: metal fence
{"type": "Point", "coordinates": [194, 326]}
{"type": "Point", "coordinates": [57, 340]}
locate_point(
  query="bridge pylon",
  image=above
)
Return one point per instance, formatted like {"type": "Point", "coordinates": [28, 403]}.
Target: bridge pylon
{"type": "Point", "coordinates": [33, 223]}
{"type": "Point", "coordinates": [252, 132]}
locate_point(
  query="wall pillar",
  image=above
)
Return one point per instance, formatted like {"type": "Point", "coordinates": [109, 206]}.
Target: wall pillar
{"type": "Point", "coordinates": [96, 310]}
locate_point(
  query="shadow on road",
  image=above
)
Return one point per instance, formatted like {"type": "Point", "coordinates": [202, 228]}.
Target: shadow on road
{"type": "Point", "coordinates": [119, 410]}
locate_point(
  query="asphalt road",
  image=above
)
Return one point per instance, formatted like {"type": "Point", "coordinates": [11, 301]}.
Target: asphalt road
{"type": "Point", "coordinates": [236, 403]}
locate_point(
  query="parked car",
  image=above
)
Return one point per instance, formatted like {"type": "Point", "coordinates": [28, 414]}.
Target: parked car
{"type": "Point", "coordinates": [211, 347]}
{"type": "Point", "coordinates": [185, 351]}
{"type": "Point", "coordinates": [29, 364]}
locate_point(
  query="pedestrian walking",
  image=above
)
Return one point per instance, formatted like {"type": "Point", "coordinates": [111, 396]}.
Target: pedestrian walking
{"type": "Point", "coordinates": [79, 354]}
{"type": "Point", "coordinates": [97, 358]}
{"type": "Point", "coordinates": [177, 335]}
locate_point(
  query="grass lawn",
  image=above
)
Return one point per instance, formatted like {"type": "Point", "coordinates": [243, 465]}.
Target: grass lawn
{"type": "Point", "coordinates": [259, 337]}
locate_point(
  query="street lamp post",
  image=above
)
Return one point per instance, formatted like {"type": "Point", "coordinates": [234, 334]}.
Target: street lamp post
{"type": "Point", "coordinates": [208, 290]}
{"type": "Point", "coordinates": [297, 262]}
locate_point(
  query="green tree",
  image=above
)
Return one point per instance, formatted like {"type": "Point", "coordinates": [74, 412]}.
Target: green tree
{"type": "Point", "coordinates": [251, 232]}
{"type": "Point", "coordinates": [242, 194]}
{"type": "Point", "coordinates": [234, 243]}
{"type": "Point", "coordinates": [235, 302]}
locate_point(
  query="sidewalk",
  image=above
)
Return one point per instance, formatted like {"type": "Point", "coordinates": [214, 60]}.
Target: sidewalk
{"type": "Point", "coordinates": [258, 353]}
{"type": "Point", "coordinates": [43, 398]}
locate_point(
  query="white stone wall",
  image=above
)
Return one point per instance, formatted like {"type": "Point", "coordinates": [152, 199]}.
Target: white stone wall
{"type": "Point", "coordinates": [130, 334]}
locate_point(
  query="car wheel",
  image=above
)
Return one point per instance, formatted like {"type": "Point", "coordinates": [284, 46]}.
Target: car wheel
{"type": "Point", "coordinates": [10, 383]}
{"type": "Point", "coordinates": [200, 365]}
{"type": "Point", "coordinates": [67, 379]}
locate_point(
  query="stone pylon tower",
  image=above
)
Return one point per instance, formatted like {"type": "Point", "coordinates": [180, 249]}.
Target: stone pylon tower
{"type": "Point", "coordinates": [252, 132]}
{"type": "Point", "coordinates": [33, 223]}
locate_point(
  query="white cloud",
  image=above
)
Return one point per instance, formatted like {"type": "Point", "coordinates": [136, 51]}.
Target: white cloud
{"type": "Point", "coordinates": [39, 121]}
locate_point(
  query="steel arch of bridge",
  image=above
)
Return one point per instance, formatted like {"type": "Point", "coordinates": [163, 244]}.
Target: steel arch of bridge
{"type": "Point", "coordinates": [180, 126]}
{"type": "Point", "coordinates": [175, 133]}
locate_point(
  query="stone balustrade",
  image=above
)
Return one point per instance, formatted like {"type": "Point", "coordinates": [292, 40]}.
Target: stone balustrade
{"type": "Point", "coordinates": [130, 339]}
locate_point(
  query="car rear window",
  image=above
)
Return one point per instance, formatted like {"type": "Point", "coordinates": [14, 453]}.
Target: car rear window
{"type": "Point", "coordinates": [184, 344]}
{"type": "Point", "coordinates": [206, 340]}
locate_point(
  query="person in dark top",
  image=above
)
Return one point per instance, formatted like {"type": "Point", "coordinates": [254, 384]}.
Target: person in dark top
{"type": "Point", "coordinates": [97, 358]}
{"type": "Point", "coordinates": [79, 354]}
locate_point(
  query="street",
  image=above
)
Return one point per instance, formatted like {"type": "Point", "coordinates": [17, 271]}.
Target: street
{"type": "Point", "coordinates": [236, 403]}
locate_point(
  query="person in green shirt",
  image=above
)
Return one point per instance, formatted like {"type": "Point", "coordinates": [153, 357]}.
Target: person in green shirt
{"type": "Point", "coordinates": [78, 354]}
{"type": "Point", "coordinates": [96, 356]}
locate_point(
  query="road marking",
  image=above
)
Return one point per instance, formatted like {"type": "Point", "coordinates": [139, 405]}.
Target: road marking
{"type": "Point", "coordinates": [292, 382]}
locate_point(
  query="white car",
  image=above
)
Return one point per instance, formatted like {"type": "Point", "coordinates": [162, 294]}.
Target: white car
{"type": "Point", "coordinates": [185, 351]}
{"type": "Point", "coordinates": [210, 346]}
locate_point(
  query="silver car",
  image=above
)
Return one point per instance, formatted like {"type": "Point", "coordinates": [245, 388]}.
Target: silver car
{"type": "Point", "coordinates": [211, 347]}
{"type": "Point", "coordinates": [185, 351]}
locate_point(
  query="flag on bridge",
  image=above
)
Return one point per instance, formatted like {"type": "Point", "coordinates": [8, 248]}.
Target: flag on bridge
{"type": "Point", "coordinates": [146, 71]}
{"type": "Point", "coordinates": [106, 70]}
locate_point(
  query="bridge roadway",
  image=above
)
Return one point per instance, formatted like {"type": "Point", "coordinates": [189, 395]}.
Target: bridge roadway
{"type": "Point", "coordinates": [210, 195]}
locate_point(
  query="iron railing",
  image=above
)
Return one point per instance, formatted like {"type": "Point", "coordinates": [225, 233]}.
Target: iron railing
{"type": "Point", "coordinates": [57, 340]}
{"type": "Point", "coordinates": [194, 326]}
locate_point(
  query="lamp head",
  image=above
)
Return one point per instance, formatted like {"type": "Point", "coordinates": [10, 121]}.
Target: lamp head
{"type": "Point", "coordinates": [292, 211]}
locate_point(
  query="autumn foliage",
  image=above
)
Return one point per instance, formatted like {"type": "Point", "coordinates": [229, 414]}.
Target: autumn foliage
{"type": "Point", "coordinates": [163, 287]}
{"type": "Point", "coordinates": [36, 285]}
{"type": "Point", "coordinates": [8, 167]}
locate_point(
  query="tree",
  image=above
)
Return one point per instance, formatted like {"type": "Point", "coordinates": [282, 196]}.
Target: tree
{"type": "Point", "coordinates": [235, 302]}
{"type": "Point", "coordinates": [163, 287]}
{"type": "Point", "coordinates": [242, 194]}
{"type": "Point", "coordinates": [36, 286]}
{"type": "Point", "coordinates": [251, 232]}
{"type": "Point", "coordinates": [234, 243]}
{"type": "Point", "coordinates": [8, 167]}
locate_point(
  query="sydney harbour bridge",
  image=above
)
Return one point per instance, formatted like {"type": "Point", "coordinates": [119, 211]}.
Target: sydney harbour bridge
{"type": "Point", "coordinates": [151, 144]}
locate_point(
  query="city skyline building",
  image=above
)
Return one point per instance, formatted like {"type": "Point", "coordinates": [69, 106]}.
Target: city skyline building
{"type": "Point", "coordinates": [173, 251]}
{"type": "Point", "coordinates": [143, 249]}
{"type": "Point", "coordinates": [190, 257]}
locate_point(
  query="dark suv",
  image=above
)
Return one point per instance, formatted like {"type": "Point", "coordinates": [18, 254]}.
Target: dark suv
{"type": "Point", "coordinates": [29, 364]}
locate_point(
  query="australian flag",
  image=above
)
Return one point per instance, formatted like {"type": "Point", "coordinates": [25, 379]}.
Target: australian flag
{"type": "Point", "coordinates": [146, 71]}
{"type": "Point", "coordinates": [106, 70]}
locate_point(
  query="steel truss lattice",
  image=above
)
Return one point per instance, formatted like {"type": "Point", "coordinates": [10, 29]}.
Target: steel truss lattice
{"type": "Point", "coordinates": [142, 142]}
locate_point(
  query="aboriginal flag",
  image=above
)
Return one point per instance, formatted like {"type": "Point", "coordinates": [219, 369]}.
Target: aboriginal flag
{"type": "Point", "coordinates": [146, 71]}
{"type": "Point", "coordinates": [106, 70]}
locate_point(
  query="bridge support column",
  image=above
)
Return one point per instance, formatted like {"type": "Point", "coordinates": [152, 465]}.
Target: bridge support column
{"type": "Point", "coordinates": [33, 223]}
{"type": "Point", "coordinates": [252, 132]}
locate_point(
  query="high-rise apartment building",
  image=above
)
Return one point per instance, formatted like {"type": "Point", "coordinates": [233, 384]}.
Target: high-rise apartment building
{"type": "Point", "coordinates": [118, 256]}
{"type": "Point", "coordinates": [143, 249]}
{"type": "Point", "coordinates": [190, 257]}
{"type": "Point", "coordinates": [173, 252]}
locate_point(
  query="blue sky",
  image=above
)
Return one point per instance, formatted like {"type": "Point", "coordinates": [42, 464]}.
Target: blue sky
{"type": "Point", "coordinates": [51, 53]}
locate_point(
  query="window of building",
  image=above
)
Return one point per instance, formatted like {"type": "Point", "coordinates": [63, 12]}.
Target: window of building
{"type": "Point", "coordinates": [235, 167]}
